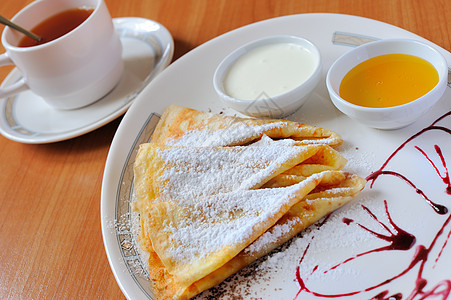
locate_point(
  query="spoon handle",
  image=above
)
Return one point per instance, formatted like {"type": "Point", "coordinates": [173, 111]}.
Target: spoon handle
{"type": "Point", "coordinates": [7, 22]}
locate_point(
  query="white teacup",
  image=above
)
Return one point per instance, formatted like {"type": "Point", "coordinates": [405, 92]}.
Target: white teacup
{"type": "Point", "coordinates": [73, 70]}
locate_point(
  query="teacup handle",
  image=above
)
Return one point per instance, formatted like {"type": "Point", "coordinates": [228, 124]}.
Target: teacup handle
{"type": "Point", "coordinates": [16, 87]}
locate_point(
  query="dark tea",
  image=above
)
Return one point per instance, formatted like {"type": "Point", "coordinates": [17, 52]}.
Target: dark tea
{"type": "Point", "coordinates": [56, 26]}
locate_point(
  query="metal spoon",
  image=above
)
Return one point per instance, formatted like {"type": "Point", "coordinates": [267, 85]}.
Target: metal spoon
{"type": "Point", "coordinates": [7, 22]}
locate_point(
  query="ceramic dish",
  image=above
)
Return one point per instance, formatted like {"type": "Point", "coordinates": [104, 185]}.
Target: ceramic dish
{"type": "Point", "coordinates": [147, 49]}
{"type": "Point", "coordinates": [387, 117]}
{"type": "Point", "coordinates": [313, 263]}
{"type": "Point", "coordinates": [264, 105]}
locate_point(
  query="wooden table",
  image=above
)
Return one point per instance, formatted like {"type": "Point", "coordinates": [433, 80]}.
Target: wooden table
{"type": "Point", "coordinates": [51, 242]}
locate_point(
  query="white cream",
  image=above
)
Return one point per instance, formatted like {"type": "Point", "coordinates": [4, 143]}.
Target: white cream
{"type": "Point", "coordinates": [269, 71]}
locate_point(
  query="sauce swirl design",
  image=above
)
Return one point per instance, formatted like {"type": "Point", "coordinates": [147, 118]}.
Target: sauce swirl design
{"type": "Point", "coordinates": [399, 239]}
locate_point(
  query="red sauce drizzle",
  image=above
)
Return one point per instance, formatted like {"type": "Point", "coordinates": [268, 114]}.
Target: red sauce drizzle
{"type": "Point", "coordinates": [445, 177]}
{"type": "Point", "coordinates": [382, 296]}
{"type": "Point", "coordinates": [398, 239]}
{"type": "Point", "coordinates": [440, 209]}
{"type": "Point", "coordinates": [347, 221]}
{"type": "Point", "coordinates": [420, 257]}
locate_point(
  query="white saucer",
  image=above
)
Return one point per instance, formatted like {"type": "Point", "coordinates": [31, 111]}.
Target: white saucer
{"type": "Point", "coordinates": [148, 48]}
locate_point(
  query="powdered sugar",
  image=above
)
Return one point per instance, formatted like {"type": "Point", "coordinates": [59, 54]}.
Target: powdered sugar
{"type": "Point", "coordinates": [359, 161]}
{"type": "Point", "coordinates": [238, 132]}
{"type": "Point", "coordinates": [328, 244]}
{"type": "Point", "coordinates": [202, 171]}
{"type": "Point", "coordinates": [225, 219]}
{"type": "Point", "coordinates": [235, 133]}
{"type": "Point", "coordinates": [272, 235]}
{"type": "Point", "coordinates": [266, 141]}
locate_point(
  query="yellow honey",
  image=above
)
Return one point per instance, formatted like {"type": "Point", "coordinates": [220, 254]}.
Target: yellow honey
{"type": "Point", "coordinates": [388, 80]}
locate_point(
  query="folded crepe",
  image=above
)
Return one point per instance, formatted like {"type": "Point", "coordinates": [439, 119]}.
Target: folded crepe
{"type": "Point", "coordinates": [184, 126]}
{"type": "Point", "coordinates": [194, 237]}
{"type": "Point", "coordinates": [209, 207]}
{"type": "Point", "coordinates": [165, 172]}
{"type": "Point", "coordinates": [334, 189]}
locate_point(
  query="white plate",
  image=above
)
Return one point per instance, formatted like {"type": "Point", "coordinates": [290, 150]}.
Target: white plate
{"type": "Point", "coordinates": [147, 50]}
{"type": "Point", "coordinates": [188, 82]}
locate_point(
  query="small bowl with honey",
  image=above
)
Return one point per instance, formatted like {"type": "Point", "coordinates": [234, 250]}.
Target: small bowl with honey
{"type": "Point", "coordinates": [387, 84]}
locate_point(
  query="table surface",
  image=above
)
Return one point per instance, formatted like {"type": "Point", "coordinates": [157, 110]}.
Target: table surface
{"type": "Point", "coordinates": [50, 194]}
